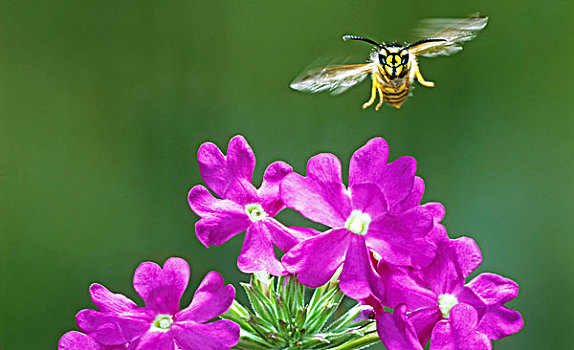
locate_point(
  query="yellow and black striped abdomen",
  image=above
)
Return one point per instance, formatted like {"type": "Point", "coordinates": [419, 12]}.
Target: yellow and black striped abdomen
{"type": "Point", "coordinates": [395, 95]}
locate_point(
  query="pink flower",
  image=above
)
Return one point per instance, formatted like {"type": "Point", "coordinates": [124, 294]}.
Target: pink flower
{"type": "Point", "coordinates": [160, 324]}
{"type": "Point", "coordinates": [440, 306]}
{"type": "Point", "coordinates": [379, 211]}
{"type": "Point", "coordinates": [242, 207]}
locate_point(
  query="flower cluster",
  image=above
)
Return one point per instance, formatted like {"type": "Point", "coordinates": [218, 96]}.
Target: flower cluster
{"type": "Point", "coordinates": [384, 247]}
{"type": "Point", "coordinates": [121, 324]}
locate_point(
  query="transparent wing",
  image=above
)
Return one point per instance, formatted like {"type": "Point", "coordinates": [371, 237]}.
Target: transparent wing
{"type": "Point", "coordinates": [453, 31]}
{"type": "Point", "coordinates": [337, 79]}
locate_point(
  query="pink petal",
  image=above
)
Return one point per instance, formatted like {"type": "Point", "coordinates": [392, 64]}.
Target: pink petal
{"type": "Point", "coordinates": [436, 209]}
{"type": "Point", "coordinates": [229, 220]}
{"type": "Point", "coordinates": [459, 332]}
{"type": "Point", "coordinates": [269, 190]}
{"type": "Point", "coordinates": [369, 165]}
{"type": "Point", "coordinates": [285, 237]}
{"type": "Point", "coordinates": [218, 335]}
{"type": "Point", "coordinates": [444, 275]}
{"type": "Point", "coordinates": [413, 199]}
{"type": "Point", "coordinates": [78, 341]}
{"type": "Point", "coordinates": [257, 253]}
{"type": "Point", "coordinates": [400, 239]}
{"type": "Point", "coordinates": [424, 320]}
{"type": "Point", "coordinates": [316, 259]}
{"type": "Point", "coordinates": [369, 199]}
{"type": "Point", "coordinates": [160, 289]}
{"type": "Point", "coordinates": [358, 279]}
{"type": "Point", "coordinates": [403, 287]}
{"type": "Point", "coordinates": [202, 202]}
{"type": "Point", "coordinates": [110, 329]}
{"type": "Point", "coordinates": [211, 299]}
{"type": "Point", "coordinates": [321, 195]}
{"type": "Point", "coordinates": [468, 254]}
{"type": "Point", "coordinates": [154, 341]}
{"type": "Point", "coordinates": [396, 332]}
{"type": "Point", "coordinates": [498, 321]}
{"type": "Point", "coordinates": [229, 177]}
{"type": "Point", "coordinates": [107, 301]}
{"type": "Point", "coordinates": [368, 162]}
{"type": "Point", "coordinates": [240, 158]}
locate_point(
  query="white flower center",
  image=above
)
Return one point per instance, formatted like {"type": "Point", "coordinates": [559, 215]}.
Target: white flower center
{"type": "Point", "coordinates": [358, 222]}
{"type": "Point", "coordinates": [255, 212]}
{"type": "Point", "coordinates": [161, 323]}
{"type": "Point", "coordinates": [445, 303]}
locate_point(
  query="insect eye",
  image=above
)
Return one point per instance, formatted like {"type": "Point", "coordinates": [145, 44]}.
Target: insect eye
{"type": "Point", "coordinates": [382, 59]}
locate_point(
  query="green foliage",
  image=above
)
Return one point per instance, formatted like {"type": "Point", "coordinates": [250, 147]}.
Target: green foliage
{"type": "Point", "coordinates": [284, 314]}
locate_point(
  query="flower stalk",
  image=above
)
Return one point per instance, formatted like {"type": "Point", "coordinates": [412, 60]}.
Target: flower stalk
{"type": "Point", "coordinates": [284, 314]}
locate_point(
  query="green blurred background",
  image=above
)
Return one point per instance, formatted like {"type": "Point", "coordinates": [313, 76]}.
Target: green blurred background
{"type": "Point", "coordinates": [103, 105]}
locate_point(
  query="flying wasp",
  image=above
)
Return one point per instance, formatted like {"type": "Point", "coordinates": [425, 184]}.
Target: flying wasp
{"type": "Point", "coordinates": [393, 67]}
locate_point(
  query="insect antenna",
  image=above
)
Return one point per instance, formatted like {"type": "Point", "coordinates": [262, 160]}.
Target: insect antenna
{"type": "Point", "coordinates": [360, 38]}
{"type": "Point", "coordinates": [424, 41]}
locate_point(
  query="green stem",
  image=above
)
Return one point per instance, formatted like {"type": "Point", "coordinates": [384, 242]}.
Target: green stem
{"type": "Point", "coordinates": [359, 343]}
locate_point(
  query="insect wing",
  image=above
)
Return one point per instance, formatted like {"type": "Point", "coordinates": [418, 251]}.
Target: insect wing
{"type": "Point", "coordinates": [337, 79]}
{"type": "Point", "coordinates": [454, 32]}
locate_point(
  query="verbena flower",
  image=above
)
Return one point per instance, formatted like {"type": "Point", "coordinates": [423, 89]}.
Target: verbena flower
{"type": "Point", "coordinates": [398, 333]}
{"type": "Point", "coordinates": [160, 324]}
{"type": "Point", "coordinates": [242, 207]}
{"type": "Point", "coordinates": [441, 306]}
{"type": "Point", "coordinates": [379, 211]}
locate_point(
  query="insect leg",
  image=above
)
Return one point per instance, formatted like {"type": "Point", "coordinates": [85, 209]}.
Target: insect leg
{"type": "Point", "coordinates": [373, 94]}
{"type": "Point", "coordinates": [380, 97]}
{"type": "Point", "coordinates": [422, 80]}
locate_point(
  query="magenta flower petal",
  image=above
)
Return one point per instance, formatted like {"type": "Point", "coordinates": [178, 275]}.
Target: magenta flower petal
{"type": "Point", "coordinates": [321, 195]}
{"type": "Point", "coordinates": [112, 329]}
{"type": "Point", "coordinates": [107, 301]}
{"type": "Point", "coordinates": [402, 287]}
{"type": "Point", "coordinates": [459, 332]}
{"type": "Point", "coordinates": [396, 332]}
{"type": "Point", "coordinates": [269, 190]}
{"type": "Point", "coordinates": [257, 253]}
{"type": "Point", "coordinates": [400, 239]}
{"type": "Point", "coordinates": [217, 229]}
{"type": "Point", "coordinates": [498, 321]}
{"type": "Point", "coordinates": [154, 341]}
{"type": "Point", "coordinates": [211, 299]}
{"type": "Point", "coordinates": [398, 178]}
{"type": "Point", "coordinates": [468, 254]}
{"type": "Point", "coordinates": [369, 165]}
{"type": "Point", "coordinates": [161, 289]}
{"type": "Point", "coordinates": [316, 259]}
{"type": "Point", "coordinates": [218, 335]}
{"type": "Point", "coordinates": [413, 199]}
{"type": "Point", "coordinates": [368, 162]}
{"type": "Point", "coordinates": [358, 279]}
{"type": "Point", "coordinates": [285, 237]}
{"type": "Point", "coordinates": [202, 202]}
{"type": "Point", "coordinates": [368, 198]}
{"type": "Point", "coordinates": [240, 158]}
{"type": "Point", "coordinates": [78, 341]}
{"type": "Point", "coordinates": [424, 321]}
{"type": "Point", "coordinates": [445, 275]}
{"type": "Point", "coordinates": [436, 209]}
{"type": "Point", "coordinates": [229, 177]}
